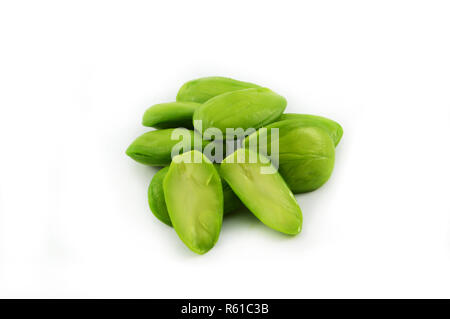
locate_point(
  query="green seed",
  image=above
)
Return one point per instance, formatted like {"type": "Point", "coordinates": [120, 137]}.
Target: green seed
{"type": "Point", "coordinates": [333, 128]}
{"type": "Point", "coordinates": [203, 89]}
{"type": "Point", "coordinates": [156, 199]}
{"type": "Point", "coordinates": [249, 108]}
{"type": "Point", "coordinates": [167, 115]}
{"type": "Point", "coordinates": [306, 154]}
{"type": "Point", "coordinates": [154, 148]}
{"type": "Point", "coordinates": [266, 195]}
{"type": "Point", "coordinates": [194, 198]}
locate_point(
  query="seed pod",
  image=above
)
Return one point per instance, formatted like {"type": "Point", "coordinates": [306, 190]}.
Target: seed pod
{"type": "Point", "coordinates": [194, 198]}
{"type": "Point", "coordinates": [168, 115]}
{"type": "Point", "coordinates": [158, 205]}
{"type": "Point", "coordinates": [262, 190]}
{"type": "Point", "coordinates": [306, 153]}
{"type": "Point", "coordinates": [156, 199]}
{"type": "Point", "coordinates": [203, 89]}
{"type": "Point", "coordinates": [154, 148]}
{"type": "Point", "coordinates": [249, 108]}
{"type": "Point", "coordinates": [333, 128]}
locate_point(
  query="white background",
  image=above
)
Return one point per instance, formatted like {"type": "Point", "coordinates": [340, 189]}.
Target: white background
{"type": "Point", "coordinates": [76, 77]}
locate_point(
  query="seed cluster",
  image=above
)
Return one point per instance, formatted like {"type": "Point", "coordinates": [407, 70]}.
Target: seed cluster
{"type": "Point", "coordinates": [194, 190]}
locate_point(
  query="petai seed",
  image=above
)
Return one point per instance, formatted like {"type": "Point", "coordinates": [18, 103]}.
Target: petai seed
{"type": "Point", "coordinates": [156, 199]}
{"type": "Point", "coordinates": [194, 199]}
{"type": "Point", "coordinates": [249, 108]}
{"type": "Point", "coordinates": [333, 128]}
{"type": "Point", "coordinates": [169, 115]}
{"type": "Point", "coordinates": [203, 89]}
{"type": "Point", "coordinates": [154, 148]}
{"type": "Point", "coordinates": [158, 205]}
{"type": "Point", "coordinates": [306, 153]}
{"type": "Point", "coordinates": [266, 195]}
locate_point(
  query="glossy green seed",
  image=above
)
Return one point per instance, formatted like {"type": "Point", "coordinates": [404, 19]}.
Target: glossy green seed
{"type": "Point", "coordinates": [306, 154]}
{"type": "Point", "coordinates": [194, 199]}
{"type": "Point", "coordinates": [266, 195]}
{"type": "Point", "coordinates": [156, 199]}
{"type": "Point", "coordinates": [203, 89]}
{"type": "Point", "coordinates": [333, 128]}
{"type": "Point", "coordinates": [154, 148]}
{"type": "Point", "coordinates": [170, 115]}
{"type": "Point", "coordinates": [249, 108]}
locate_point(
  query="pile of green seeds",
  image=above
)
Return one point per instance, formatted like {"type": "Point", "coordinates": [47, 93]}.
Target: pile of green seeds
{"type": "Point", "coordinates": [192, 191]}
